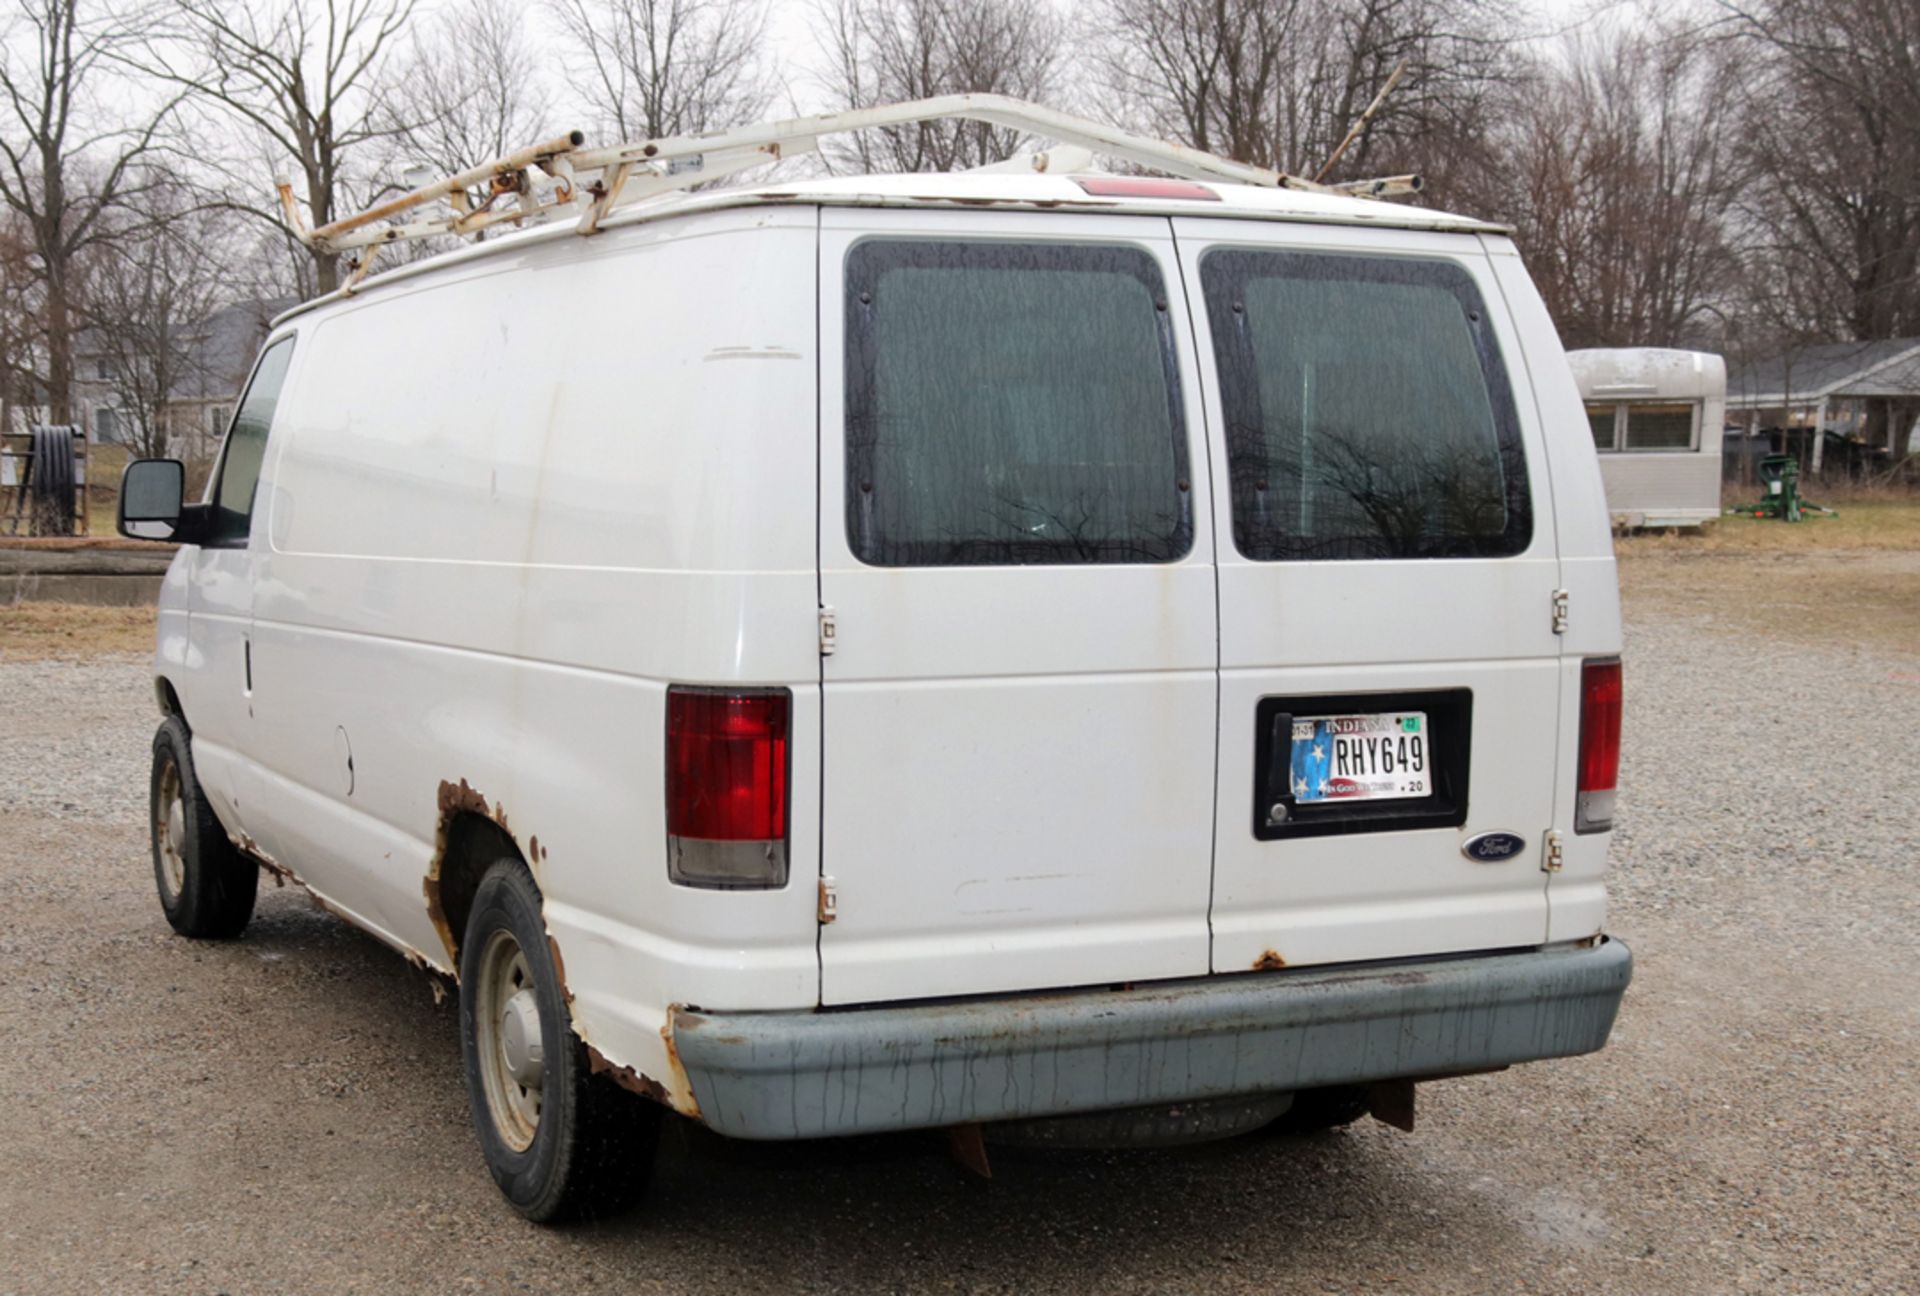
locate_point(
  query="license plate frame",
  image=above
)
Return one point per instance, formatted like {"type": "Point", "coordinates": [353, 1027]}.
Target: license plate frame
{"type": "Point", "coordinates": [1278, 810]}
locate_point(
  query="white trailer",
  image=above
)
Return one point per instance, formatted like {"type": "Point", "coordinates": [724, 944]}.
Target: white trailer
{"type": "Point", "coordinates": [1657, 417]}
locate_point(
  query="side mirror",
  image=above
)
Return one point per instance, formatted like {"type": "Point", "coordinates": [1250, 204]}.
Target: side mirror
{"type": "Point", "coordinates": [152, 501]}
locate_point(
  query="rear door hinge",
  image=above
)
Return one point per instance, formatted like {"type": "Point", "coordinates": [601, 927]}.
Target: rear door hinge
{"type": "Point", "coordinates": [829, 632]}
{"type": "Point", "coordinates": [1555, 856]}
{"type": "Point", "coordinates": [1560, 611]}
{"type": "Point", "coordinates": [829, 901]}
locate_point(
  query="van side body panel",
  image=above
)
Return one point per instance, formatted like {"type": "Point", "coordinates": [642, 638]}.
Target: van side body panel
{"type": "Point", "coordinates": [508, 507]}
{"type": "Point", "coordinates": [1576, 894]}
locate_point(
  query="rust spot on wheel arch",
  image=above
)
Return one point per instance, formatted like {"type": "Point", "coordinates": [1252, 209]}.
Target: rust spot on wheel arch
{"type": "Point", "coordinates": [456, 799]}
{"type": "Point", "coordinates": [627, 1078]}
{"type": "Point", "coordinates": [683, 1086]}
{"type": "Point", "coordinates": [560, 970]}
{"type": "Point", "coordinates": [1269, 961]}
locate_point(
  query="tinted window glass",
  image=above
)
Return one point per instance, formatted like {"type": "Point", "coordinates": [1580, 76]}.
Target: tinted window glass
{"type": "Point", "coordinates": [1368, 413]}
{"type": "Point", "coordinates": [247, 447]}
{"type": "Point", "coordinates": [1011, 403]}
{"type": "Point", "coordinates": [1601, 419]}
{"type": "Point", "coordinates": [1660, 427]}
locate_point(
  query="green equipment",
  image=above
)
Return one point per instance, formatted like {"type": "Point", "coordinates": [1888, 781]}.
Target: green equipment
{"type": "Point", "coordinates": [1780, 480]}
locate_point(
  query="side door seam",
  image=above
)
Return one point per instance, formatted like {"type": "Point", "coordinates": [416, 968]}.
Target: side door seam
{"type": "Point", "coordinates": [1214, 505]}
{"type": "Point", "coordinates": [819, 594]}
{"type": "Point", "coordinates": [1559, 565]}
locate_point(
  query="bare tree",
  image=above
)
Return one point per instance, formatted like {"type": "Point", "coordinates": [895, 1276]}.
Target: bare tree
{"type": "Point", "coordinates": [304, 75]}
{"type": "Point", "coordinates": [1832, 124]}
{"type": "Point", "coordinates": [1280, 82]}
{"type": "Point", "coordinates": [669, 67]}
{"type": "Point", "coordinates": [149, 301]}
{"type": "Point", "coordinates": [1618, 167]}
{"type": "Point", "coordinates": [471, 89]}
{"type": "Point", "coordinates": [61, 172]}
{"type": "Point", "coordinates": [885, 51]}
{"type": "Point", "coordinates": [21, 337]}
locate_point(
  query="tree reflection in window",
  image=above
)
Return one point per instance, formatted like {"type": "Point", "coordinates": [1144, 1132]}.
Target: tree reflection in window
{"type": "Point", "coordinates": [1368, 413]}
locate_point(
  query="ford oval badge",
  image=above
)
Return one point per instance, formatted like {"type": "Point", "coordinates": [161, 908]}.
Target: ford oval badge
{"type": "Point", "coordinates": [1492, 847]}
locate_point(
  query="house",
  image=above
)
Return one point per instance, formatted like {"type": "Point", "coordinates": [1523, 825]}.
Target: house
{"type": "Point", "coordinates": [1825, 387]}
{"type": "Point", "coordinates": [203, 384]}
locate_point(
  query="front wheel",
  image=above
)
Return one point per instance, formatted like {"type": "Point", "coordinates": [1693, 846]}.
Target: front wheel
{"type": "Point", "coordinates": [561, 1142]}
{"type": "Point", "coordinates": [207, 888]}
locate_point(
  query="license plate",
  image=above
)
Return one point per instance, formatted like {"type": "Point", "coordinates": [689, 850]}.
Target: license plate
{"type": "Point", "coordinates": [1376, 757]}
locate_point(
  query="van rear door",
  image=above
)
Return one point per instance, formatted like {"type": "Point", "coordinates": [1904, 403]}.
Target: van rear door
{"type": "Point", "coordinates": [1387, 561]}
{"type": "Point", "coordinates": [1016, 550]}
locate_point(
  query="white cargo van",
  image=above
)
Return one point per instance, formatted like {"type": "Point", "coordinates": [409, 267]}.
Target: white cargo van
{"type": "Point", "coordinates": [913, 652]}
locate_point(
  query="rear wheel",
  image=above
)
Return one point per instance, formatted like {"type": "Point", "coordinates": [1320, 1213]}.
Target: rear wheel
{"type": "Point", "coordinates": [560, 1142]}
{"type": "Point", "coordinates": [207, 888]}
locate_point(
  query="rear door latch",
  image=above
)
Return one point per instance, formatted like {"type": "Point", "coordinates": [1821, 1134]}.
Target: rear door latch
{"type": "Point", "coordinates": [829, 632]}
{"type": "Point", "coordinates": [1555, 854]}
{"type": "Point", "coordinates": [1559, 611]}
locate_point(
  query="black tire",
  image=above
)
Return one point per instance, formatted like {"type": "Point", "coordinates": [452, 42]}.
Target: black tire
{"type": "Point", "coordinates": [591, 1143]}
{"type": "Point", "coordinates": [207, 887]}
{"type": "Point", "coordinates": [1315, 1110]}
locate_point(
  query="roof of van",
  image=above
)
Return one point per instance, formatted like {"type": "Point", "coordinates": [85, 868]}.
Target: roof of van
{"type": "Point", "coordinates": [1150, 196]}
{"type": "Point", "coordinates": [1049, 191]}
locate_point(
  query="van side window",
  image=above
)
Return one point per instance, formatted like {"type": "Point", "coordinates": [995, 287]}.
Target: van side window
{"type": "Point", "coordinates": [1368, 413]}
{"type": "Point", "coordinates": [1012, 403]}
{"type": "Point", "coordinates": [246, 448]}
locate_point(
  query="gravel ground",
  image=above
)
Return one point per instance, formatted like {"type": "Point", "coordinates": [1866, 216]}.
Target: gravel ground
{"type": "Point", "coordinates": [285, 1113]}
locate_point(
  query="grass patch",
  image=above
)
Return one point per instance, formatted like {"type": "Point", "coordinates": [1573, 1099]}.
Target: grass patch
{"type": "Point", "coordinates": [68, 631]}
{"type": "Point", "coordinates": [1875, 524]}
{"type": "Point", "coordinates": [1836, 596]}
{"type": "Point", "coordinates": [1854, 578]}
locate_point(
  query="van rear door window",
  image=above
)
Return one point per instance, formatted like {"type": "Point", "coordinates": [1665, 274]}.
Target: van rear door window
{"type": "Point", "coordinates": [1368, 414]}
{"type": "Point", "coordinates": [1012, 403]}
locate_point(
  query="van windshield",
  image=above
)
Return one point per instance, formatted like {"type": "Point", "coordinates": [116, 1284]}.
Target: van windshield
{"type": "Point", "coordinates": [1368, 413]}
{"type": "Point", "coordinates": [1012, 403]}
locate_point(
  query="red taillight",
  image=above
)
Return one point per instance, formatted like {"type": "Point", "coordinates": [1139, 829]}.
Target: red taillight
{"type": "Point", "coordinates": [727, 786]}
{"type": "Point", "coordinates": [1145, 187]}
{"type": "Point", "coordinates": [1600, 702]}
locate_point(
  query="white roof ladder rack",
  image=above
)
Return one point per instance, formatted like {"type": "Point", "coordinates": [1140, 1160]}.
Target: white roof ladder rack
{"type": "Point", "coordinates": [535, 183]}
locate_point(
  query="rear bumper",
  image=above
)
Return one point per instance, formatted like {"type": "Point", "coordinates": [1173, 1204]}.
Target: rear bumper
{"type": "Point", "coordinates": [794, 1075]}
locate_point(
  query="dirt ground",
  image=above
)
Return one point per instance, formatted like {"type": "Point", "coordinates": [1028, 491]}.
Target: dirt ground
{"type": "Point", "coordinates": [285, 1113]}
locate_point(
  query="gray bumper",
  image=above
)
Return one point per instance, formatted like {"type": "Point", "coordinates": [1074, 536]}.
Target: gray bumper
{"type": "Point", "coordinates": [792, 1075]}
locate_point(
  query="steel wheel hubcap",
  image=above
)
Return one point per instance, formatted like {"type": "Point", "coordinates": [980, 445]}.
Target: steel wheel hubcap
{"type": "Point", "coordinates": [511, 1047]}
{"type": "Point", "coordinates": [170, 832]}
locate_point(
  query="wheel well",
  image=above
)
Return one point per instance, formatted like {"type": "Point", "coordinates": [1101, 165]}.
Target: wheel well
{"type": "Point", "coordinates": [474, 843]}
{"type": "Point", "coordinates": [169, 700]}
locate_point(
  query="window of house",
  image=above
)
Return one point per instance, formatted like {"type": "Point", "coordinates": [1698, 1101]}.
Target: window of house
{"type": "Point", "coordinates": [1644, 425]}
{"type": "Point", "coordinates": [1603, 421]}
{"type": "Point", "coordinates": [1664, 426]}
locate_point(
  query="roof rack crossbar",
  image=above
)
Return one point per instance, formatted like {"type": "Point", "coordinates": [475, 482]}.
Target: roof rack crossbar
{"type": "Point", "coordinates": [541, 180]}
